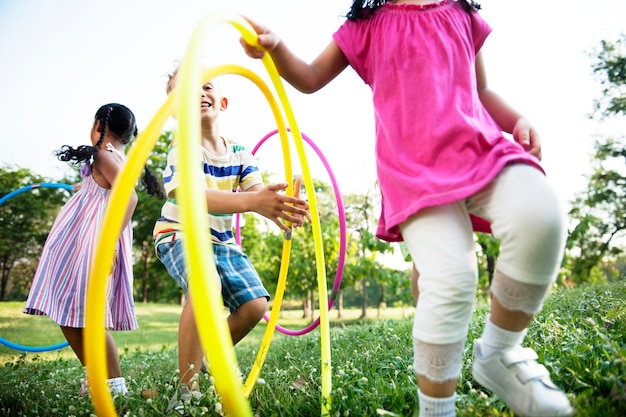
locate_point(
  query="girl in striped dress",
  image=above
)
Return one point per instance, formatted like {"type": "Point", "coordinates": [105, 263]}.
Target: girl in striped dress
{"type": "Point", "coordinates": [59, 288]}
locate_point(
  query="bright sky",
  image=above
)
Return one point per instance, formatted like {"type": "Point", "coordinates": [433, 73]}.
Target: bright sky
{"type": "Point", "coordinates": [61, 60]}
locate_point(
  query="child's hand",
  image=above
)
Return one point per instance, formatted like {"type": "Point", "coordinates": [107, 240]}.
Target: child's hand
{"type": "Point", "coordinates": [269, 203]}
{"type": "Point", "coordinates": [526, 135]}
{"type": "Point", "coordinates": [267, 39]}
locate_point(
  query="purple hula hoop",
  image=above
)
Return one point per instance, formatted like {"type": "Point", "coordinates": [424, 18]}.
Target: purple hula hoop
{"type": "Point", "coordinates": [342, 234]}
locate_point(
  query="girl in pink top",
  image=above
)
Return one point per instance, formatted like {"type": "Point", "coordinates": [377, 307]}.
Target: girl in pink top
{"type": "Point", "coordinates": [441, 156]}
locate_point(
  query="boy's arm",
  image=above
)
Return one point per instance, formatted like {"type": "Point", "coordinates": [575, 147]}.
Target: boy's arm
{"type": "Point", "coordinates": [264, 200]}
{"type": "Point", "coordinates": [305, 77]}
{"type": "Point", "coordinates": [509, 120]}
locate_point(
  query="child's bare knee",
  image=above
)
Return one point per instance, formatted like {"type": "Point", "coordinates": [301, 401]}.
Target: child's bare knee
{"type": "Point", "coordinates": [253, 310]}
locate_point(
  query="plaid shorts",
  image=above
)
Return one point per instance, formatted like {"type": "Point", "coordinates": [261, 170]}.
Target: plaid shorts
{"type": "Point", "coordinates": [240, 281]}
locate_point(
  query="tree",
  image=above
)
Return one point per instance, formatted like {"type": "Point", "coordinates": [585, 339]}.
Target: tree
{"type": "Point", "coordinates": [26, 220]}
{"type": "Point", "coordinates": [263, 242]}
{"type": "Point", "coordinates": [599, 213]}
{"type": "Point", "coordinates": [489, 249]}
{"type": "Point", "coordinates": [152, 282]}
{"type": "Point", "coordinates": [360, 216]}
{"type": "Point", "coordinates": [610, 67]}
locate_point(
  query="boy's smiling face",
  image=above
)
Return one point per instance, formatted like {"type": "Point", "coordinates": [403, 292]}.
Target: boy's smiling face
{"type": "Point", "coordinates": [211, 100]}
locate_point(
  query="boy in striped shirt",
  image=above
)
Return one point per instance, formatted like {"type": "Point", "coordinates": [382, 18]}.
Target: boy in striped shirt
{"type": "Point", "coordinates": [227, 168]}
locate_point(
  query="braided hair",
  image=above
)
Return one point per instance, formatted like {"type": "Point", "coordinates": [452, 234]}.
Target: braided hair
{"type": "Point", "coordinates": [119, 121]}
{"type": "Point", "coordinates": [363, 9]}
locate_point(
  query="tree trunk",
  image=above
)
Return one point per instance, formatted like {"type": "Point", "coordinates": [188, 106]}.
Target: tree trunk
{"type": "Point", "coordinates": [381, 300]}
{"type": "Point", "coordinates": [307, 305]}
{"type": "Point", "coordinates": [340, 304]}
{"type": "Point", "coordinates": [6, 274]}
{"type": "Point", "coordinates": [146, 254]}
{"type": "Point", "coordinates": [364, 294]}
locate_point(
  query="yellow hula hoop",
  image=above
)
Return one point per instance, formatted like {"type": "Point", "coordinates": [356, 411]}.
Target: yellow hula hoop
{"type": "Point", "coordinates": [222, 353]}
{"type": "Point", "coordinates": [284, 265]}
{"type": "Point", "coordinates": [250, 36]}
{"type": "Point", "coordinates": [94, 313]}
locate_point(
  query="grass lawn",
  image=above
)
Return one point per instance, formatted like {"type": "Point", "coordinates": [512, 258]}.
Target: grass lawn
{"type": "Point", "coordinates": [580, 337]}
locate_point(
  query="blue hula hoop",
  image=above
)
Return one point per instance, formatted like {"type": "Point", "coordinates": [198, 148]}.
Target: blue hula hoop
{"type": "Point", "coordinates": [12, 194]}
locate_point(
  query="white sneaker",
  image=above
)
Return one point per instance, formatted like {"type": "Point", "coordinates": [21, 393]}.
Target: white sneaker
{"type": "Point", "coordinates": [521, 382]}
{"type": "Point", "coordinates": [177, 405]}
{"type": "Point", "coordinates": [206, 368]}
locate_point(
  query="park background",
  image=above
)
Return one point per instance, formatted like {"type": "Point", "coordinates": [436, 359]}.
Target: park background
{"type": "Point", "coordinates": [540, 57]}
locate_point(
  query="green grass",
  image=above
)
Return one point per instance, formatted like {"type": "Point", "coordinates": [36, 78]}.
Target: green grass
{"type": "Point", "coordinates": [580, 336]}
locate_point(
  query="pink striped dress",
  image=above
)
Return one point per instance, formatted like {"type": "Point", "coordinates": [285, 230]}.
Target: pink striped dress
{"type": "Point", "coordinates": [59, 289]}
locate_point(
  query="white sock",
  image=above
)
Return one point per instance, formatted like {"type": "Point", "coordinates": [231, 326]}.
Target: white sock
{"type": "Point", "coordinates": [117, 385]}
{"type": "Point", "coordinates": [436, 407]}
{"type": "Point", "coordinates": [495, 339]}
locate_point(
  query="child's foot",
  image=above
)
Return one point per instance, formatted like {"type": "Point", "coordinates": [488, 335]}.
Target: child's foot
{"type": "Point", "coordinates": [184, 395]}
{"type": "Point", "coordinates": [521, 382]}
{"type": "Point", "coordinates": [206, 368]}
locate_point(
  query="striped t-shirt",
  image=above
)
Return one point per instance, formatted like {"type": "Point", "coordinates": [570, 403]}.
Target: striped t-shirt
{"type": "Point", "coordinates": [234, 170]}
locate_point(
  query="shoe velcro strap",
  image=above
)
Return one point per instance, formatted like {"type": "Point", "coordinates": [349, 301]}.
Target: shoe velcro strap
{"type": "Point", "coordinates": [531, 371]}
{"type": "Point", "coordinates": [519, 355]}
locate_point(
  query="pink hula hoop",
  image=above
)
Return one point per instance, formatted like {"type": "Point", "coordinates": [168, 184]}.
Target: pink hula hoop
{"type": "Point", "coordinates": [342, 235]}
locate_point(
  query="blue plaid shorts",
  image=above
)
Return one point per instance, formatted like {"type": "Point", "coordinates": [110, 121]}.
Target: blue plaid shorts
{"type": "Point", "coordinates": [240, 281]}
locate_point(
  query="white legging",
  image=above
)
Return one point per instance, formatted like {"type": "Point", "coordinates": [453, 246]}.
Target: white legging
{"type": "Point", "coordinates": [525, 217]}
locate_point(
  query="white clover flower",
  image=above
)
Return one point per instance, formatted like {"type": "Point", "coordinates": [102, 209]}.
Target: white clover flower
{"type": "Point", "coordinates": [218, 407]}
{"type": "Point", "coordinates": [260, 381]}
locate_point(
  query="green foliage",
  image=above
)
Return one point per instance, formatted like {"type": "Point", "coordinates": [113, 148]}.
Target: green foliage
{"type": "Point", "coordinates": [598, 215]}
{"type": "Point", "coordinates": [487, 255]}
{"type": "Point", "coordinates": [610, 67]}
{"type": "Point", "coordinates": [26, 220]}
{"type": "Point", "coordinates": [589, 324]}
{"type": "Point", "coordinates": [152, 282]}
{"type": "Point", "coordinates": [580, 336]}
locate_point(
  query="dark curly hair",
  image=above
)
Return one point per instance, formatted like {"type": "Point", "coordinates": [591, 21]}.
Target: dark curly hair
{"type": "Point", "coordinates": [120, 122]}
{"type": "Point", "coordinates": [363, 9]}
